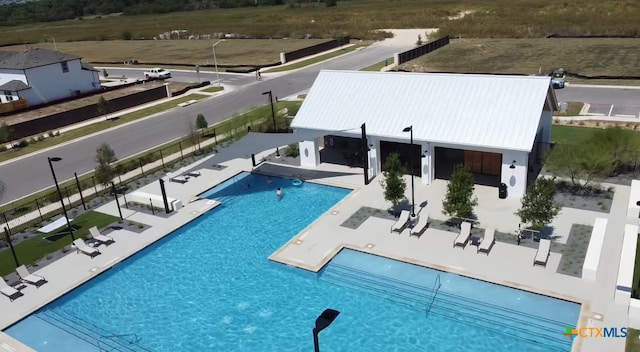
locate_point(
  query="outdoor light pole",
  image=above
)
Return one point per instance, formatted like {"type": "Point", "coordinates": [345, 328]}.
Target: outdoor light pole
{"type": "Point", "coordinates": [115, 194]}
{"type": "Point", "coordinates": [55, 180]}
{"type": "Point", "coordinates": [273, 116]}
{"type": "Point", "coordinates": [322, 322]}
{"type": "Point", "coordinates": [273, 112]}
{"type": "Point", "coordinates": [215, 62]}
{"type": "Point", "coordinates": [55, 47]}
{"type": "Point", "coordinates": [413, 195]}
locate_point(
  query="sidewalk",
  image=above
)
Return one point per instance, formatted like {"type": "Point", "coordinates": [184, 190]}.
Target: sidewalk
{"type": "Point", "coordinates": [56, 208]}
{"type": "Point", "coordinates": [115, 115]}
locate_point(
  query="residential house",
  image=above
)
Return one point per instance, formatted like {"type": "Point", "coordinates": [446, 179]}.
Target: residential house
{"type": "Point", "coordinates": [40, 76]}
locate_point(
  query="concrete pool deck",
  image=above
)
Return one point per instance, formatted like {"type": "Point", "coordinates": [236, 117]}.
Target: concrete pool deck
{"type": "Point", "coordinates": [506, 264]}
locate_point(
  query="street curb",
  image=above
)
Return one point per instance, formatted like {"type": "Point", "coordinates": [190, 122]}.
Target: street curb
{"type": "Point", "coordinates": [165, 100]}
{"type": "Point", "coordinates": [601, 86]}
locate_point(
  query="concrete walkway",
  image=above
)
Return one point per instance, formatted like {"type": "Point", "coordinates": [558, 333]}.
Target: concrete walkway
{"type": "Point", "coordinates": [506, 264]}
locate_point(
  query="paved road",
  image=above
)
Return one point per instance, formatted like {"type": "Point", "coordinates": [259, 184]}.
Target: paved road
{"type": "Point", "coordinates": [30, 174]}
{"type": "Point", "coordinates": [604, 101]}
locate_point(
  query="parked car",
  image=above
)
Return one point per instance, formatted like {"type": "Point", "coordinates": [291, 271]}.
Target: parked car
{"type": "Point", "coordinates": [557, 78]}
{"type": "Point", "coordinates": [157, 73]}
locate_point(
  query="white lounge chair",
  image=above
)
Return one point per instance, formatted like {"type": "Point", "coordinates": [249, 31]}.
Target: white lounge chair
{"type": "Point", "coordinates": [9, 291]}
{"type": "Point", "coordinates": [179, 179]}
{"type": "Point", "coordinates": [419, 228]}
{"type": "Point", "coordinates": [402, 222]}
{"type": "Point", "coordinates": [543, 252]}
{"type": "Point", "coordinates": [463, 237]}
{"type": "Point", "coordinates": [95, 233]}
{"type": "Point", "coordinates": [488, 241]}
{"type": "Point", "coordinates": [81, 246]}
{"type": "Point", "coordinates": [29, 278]}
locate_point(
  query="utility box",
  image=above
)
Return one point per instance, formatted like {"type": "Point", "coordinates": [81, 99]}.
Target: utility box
{"type": "Point", "coordinates": [502, 191]}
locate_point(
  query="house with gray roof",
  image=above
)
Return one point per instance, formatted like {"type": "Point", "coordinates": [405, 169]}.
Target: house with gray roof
{"type": "Point", "coordinates": [40, 76]}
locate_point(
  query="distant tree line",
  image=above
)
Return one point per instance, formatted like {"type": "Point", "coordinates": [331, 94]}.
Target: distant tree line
{"type": "Point", "coordinates": [57, 10]}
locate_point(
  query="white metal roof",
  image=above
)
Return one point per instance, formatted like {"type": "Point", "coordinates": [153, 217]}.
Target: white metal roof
{"type": "Point", "coordinates": [490, 111]}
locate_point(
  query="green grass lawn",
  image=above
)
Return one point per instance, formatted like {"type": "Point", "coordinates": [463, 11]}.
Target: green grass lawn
{"type": "Point", "coordinates": [317, 59]}
{"type": "Point", "coordinates": [633, 343]}
{"type": "Point", "coordinates": [636, 274]}
{"type": "Point", "coordinates": [573, 109]}
{"type": "Point", "coordinates": [569, 134]}
{"type": "Point", "coordinates": [378, 66]}
{"type": "Point", "coordinates": [29, 251]}
{"type": "Point", "coordinates": [212, 89]}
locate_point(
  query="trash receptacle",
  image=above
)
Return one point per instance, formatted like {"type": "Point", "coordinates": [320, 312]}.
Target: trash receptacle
{"type": "Point", "coordinates": [502, 191]}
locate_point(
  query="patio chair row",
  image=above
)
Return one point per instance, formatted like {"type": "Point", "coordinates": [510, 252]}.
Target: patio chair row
{"type": "Point", "coordinates": [26, 277]}
{"type": "Point", "coordinates": [464, 236]}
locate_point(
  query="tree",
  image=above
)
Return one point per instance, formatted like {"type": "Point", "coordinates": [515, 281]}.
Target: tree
{"type": "Point", "coordinates": [583, 163]}
{"type": "Point", "coordinates": [103, 106]}
{"type": "Point", "coordinates": [459, 201]}
{"type": "Point", "coordinates": [201, 122]}
{"type": "Point", "coordinates": [538, 206]}
{"type": "Point", "coordinates": [331, 3]}
{"type": "Point", "coordinates": [126, 35]}
{"type": "Point", "coordinates": [393, 183]}
{"type": "Point", "coordinates": [2, 189]}
{"type": "Point", "coordinates": [192, 135]}
{"type": "Point", "coordinates": [621, 145]}
{"type": "Point", "coordinates": [104, 157]}
{"type": "Point", "coordinates": [6, 133]}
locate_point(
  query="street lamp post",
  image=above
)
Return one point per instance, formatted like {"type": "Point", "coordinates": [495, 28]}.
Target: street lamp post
{"type": "Point", "coordinates": [115, 194]}
{"type": "Point", "coordinates": [413, 195]}
{"type": "Point", "coordinates": [215, 61]}
{"type": "Point", "coordinates": [55, 180]}
{"type": "Point", "coordinates": [55, 47]}
{"type": "Point", "coordinates": [273, 112]}
{"type": "Point", "coordinates": [322, 322]}
{"type": "Point", "coordinates": [273, 116]}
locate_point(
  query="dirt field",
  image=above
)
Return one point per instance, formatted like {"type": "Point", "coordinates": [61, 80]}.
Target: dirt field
{"type": "Point", "coordinates": [188, 52]}
{"type": "Point", "coordinates": [590, 57]}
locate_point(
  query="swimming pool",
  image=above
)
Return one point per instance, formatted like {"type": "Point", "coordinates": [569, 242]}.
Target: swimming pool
{"type": "Point", "coordinates": [210, 287]}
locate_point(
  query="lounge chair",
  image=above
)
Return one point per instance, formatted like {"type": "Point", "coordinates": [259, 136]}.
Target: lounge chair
{"type": "Point", "coordinates": [488, 241]}
{"type": "Point", "coordinates": [29, 278]}
{"type": "Point", "coordinates": [193, 174]}
{"type": "Point", "coordinates": [81, 246]}
{"type": "Point", "coordinates": [463, 237]}
{"type": "Point", "coordinates": [419, 228]}
{"type": "Point", "coordinates": [9, 291]}
{"type": "Point", "coordinates": [543, 253]}
{"type": "Point", "coordinates": [95, 233]}
{"type": "Point", "coordinates": [402, 222]}
{"type": "Point", "coordinates": [179, 179]}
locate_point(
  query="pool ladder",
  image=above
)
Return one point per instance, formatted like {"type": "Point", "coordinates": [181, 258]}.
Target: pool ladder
{"type": "Point", "coordinates": [436, 286]}
{"type": "Point", "coordinates": [108, 348]}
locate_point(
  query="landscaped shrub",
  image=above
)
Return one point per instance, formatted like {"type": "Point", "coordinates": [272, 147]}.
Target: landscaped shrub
{"type": "Point", "coordinates": [293, 150]}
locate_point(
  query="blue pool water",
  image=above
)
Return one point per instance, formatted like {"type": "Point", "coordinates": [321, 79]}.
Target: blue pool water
{"type": "Point", "coordinates": [210, 287]}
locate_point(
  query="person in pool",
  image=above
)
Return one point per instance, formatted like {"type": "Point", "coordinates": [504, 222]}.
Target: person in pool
{"type": "Point", "coordinates": [279, 192]}
{"type": "Point", "coordinates": [269, 180]}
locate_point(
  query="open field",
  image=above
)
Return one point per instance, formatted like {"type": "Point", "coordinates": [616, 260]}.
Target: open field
{"type": "Point", "coordinates": [316, 59]}
{"type": "Point", "coordinates": [357, 18]}
{"type": "Point", "coordinates": [590, 57]}
{"type": "Point", "coordinates": [188, 52]}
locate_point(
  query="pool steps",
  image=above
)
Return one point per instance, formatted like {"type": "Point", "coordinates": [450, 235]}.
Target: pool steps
{"type": "Point", "coordinates": [82, 329]}
{"type": "Point", "coordinates": [433, 300]}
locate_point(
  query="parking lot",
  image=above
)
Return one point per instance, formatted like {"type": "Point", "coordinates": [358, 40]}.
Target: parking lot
{"type": "Point", "coordinates": [614, 110]}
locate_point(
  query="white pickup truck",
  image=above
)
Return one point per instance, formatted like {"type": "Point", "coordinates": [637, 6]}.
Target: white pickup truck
{"type": "Point", "coordinates": [157, 73]}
